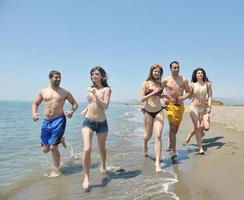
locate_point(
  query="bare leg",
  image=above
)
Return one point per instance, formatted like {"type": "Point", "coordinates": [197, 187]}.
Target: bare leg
{"type": "Point", "coordinates": [148, 122]}
{"type": "Point", "coordinates": [45, 149]}
{"type": "Point", "coordinates": [173, 129]}
{"type": "Point", "coordinates": [102, 137]}
{"type": "Point", "coordinates": [56, 161]}
{"type": "Point", "coordinates": [199, 140]}
{"type": "Point", "coordinates": [169, 148]}
{"type": "Point", "coordinates": [197, 130]}
{"type": "Point", "coordinates": [201, 123]}
{"type": "Point", "coordinates": [189, 136]}
{"type": "Point", "coordinates": [158, 125]}
{"type": "Point", "coordinates": [63, 142]}
{"type": "Point", "coordinates": [206, 121]}
{"type": "Point", "coordinates": [86, 158]}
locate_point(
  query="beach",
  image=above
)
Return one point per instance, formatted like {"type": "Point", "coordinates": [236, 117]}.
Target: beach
{"type": "Point", "coordinates": [216, 175]}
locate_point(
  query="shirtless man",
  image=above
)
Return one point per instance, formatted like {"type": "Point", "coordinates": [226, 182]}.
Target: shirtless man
{"type": "Point", "coordinates": [175, 86]}
{"type": "Point", "coordinates": [53, 126]}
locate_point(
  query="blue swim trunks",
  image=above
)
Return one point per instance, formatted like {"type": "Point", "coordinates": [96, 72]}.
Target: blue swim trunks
{"type": "Point", "coordinates": [52, 130]}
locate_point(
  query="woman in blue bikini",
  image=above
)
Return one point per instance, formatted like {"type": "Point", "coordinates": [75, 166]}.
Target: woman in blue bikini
{"type": "Point", "coordinates": [95, 120]}
{"type": "Point", "coordinates": [151, 93]}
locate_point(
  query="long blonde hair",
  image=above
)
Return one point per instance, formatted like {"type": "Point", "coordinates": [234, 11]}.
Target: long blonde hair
{"type": "Point", "coordinates": [150, 76]}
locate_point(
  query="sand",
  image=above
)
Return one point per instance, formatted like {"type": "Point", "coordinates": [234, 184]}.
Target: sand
{"type": "Point", "coordinates": [219, 173]}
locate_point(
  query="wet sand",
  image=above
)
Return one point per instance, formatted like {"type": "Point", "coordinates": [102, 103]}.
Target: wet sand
{"type": "Point", "coordinates": [216, 175]}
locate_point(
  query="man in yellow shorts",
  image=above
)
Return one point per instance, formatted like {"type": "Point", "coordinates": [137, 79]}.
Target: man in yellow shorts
{"type": "Point", "coordinates": [177, 90]}
{"type": "Point", "coordinates": [175, 112]}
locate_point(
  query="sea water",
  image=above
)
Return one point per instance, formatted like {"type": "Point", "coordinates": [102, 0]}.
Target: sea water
{"type": "Point", "coordinates": [21, 160]}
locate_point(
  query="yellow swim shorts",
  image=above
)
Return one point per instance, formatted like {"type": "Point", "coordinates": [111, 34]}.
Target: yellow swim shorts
{"type": "Point", "coordinates": [175, 112]}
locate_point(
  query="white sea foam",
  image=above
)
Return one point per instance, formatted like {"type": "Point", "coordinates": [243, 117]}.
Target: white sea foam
{"type": "Point", "coordinates": [139, 130]}
{"type": "Point", "coordinates": [168, 182]}
{"type": "Point", "coordinates": [123, 127]}
{"type": "Point", "coordinates": [155, 187]}
{"type": "Point", "coordinates": [74, 154]}
{"type": "Point", "coordinates": [133, 116]}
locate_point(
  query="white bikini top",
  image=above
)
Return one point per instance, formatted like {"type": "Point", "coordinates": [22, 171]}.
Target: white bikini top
{"type": "Point", "coordinates": [90, 97]}
{"type": "Point", "coordinates": [199, 91]}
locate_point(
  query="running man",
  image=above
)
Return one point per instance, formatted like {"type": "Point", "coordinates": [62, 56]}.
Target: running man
{"type": "Point", "coordinates": [53, 126]}
{"type": "Point", "coordinates": [177, 89]}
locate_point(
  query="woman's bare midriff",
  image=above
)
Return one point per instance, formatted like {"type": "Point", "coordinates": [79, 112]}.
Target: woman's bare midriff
{"type": "Point", "coordinates": [95, 113]}
{"type": "Point", "coordinates": [153, 105]}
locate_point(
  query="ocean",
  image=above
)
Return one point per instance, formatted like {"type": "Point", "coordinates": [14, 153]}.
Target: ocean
{"type": "Point", "coordinates": [24, 168]}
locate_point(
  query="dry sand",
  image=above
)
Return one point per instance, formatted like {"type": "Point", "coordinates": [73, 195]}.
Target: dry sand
{"type": "Point", "coordinates": [219, 174]}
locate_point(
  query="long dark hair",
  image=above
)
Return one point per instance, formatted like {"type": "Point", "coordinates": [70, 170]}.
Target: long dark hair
{"type": "Point", "coordinates": [103, 73]}
{"type": "Point", "coordinates": [194, 75]}
{"type": "Point", "coordinates": [150, 76]}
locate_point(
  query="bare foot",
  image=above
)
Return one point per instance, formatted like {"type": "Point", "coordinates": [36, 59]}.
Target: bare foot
{"type": "Point", "coordinates": [185, 143]}
{"type": "Point", "coordinates": [158, 168]}
{"type": "Point", "coordinates": [85, 184]}
{"type": "Point", "coordinates": [201, 151]}
{"type": "Point", "coordinates": [54, 173]}
{"type": "Point", "coordinates": [169, 149]}
{"type": "Point", "coordinates": [145, 154]}
{"type": "Point", "coordinates": [173, 154]}
{"type": "Point", "coordinates": [63, 142]}
{"type": "Point", "coordinates": [103, 171]}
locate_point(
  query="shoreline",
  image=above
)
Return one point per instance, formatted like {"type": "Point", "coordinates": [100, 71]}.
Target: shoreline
{"type": "Point", "coordinates": [216, 175]}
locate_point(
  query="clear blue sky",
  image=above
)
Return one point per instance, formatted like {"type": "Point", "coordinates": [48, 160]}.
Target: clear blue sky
{"type": "Point", "coordinates": [123, 36]}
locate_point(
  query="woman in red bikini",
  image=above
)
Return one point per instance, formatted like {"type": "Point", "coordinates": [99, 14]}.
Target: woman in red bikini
{"type": "Point", "coordinates": [151, 93]}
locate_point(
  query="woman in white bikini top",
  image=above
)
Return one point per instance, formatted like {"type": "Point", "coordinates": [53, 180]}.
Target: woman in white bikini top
{"type": "Point", "coordinates": [200, 108]}
{"type": "Point", "coordinates": [95, 121]}
{"type": "Point", "coordinates": [199, 95]}
{"type": "Point", "coordinates": [201, 91]}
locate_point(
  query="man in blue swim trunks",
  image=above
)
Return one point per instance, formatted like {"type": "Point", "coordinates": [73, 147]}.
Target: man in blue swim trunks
{"type": "Point", "coordinates": [53, 126]}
